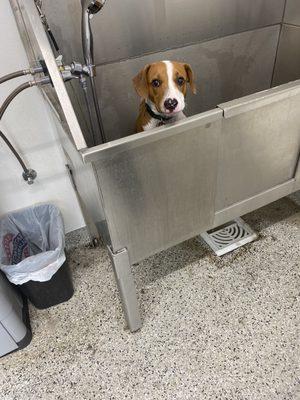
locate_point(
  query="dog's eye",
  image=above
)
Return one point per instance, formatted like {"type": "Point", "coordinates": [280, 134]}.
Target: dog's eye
{"type": "Point", "coordinates": [155, 83]}
{"type": "Point", "coordinates": [180, 81]}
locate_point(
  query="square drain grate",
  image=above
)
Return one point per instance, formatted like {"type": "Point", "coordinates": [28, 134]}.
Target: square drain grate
{"type": "Point", "coordinates": [229, 237]}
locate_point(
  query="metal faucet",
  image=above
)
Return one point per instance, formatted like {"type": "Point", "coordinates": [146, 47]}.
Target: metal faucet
{"type": "Point", "coordinates": [89, 8]}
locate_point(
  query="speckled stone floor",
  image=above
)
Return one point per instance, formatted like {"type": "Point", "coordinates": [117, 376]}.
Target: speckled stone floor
{"type": "Point", "coordinates": [213, 329]}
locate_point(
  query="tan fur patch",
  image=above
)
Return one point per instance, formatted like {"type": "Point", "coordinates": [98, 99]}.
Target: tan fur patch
{"type": "Point", "coordinates": [185, 71]}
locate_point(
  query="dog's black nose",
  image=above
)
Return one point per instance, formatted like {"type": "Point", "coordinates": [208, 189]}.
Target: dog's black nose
{"type": "Point", "coordinates": [170, 104]}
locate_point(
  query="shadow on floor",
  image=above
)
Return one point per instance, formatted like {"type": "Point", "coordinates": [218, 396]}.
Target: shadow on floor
{"type": "Point", "coordinates": [273, 213]}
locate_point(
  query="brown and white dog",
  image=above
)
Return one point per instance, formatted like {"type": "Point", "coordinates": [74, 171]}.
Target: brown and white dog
{"type": "Point", "coordinates": [162, 87]}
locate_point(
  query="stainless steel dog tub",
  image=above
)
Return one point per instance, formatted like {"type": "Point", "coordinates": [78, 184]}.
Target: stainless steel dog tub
{"type": "Point", "coordinates": [166, 186]}
{"type": "Point", "coordinates": [149, 191]}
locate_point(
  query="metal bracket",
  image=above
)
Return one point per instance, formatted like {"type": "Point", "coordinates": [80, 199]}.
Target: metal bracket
{"type": "Point", "coordinates": [126, 286]}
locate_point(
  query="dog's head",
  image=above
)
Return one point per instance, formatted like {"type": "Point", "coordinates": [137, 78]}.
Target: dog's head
{"type": "Point", "coordinates": [164, 83]}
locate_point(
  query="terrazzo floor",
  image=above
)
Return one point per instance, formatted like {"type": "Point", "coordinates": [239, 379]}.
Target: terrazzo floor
{"type": "Point", "coordinates": [214, 328]}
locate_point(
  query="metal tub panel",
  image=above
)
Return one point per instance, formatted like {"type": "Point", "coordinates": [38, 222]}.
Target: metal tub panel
{"type": "Point", "coordinates": [131, 28]}
{"type": "Point", "coordinates": [287, 66]}
{"type": "Point", "coordinates": [158, 189]}
{"type": "Point", "coordinates": [225, 69]}
{"type": "Point", "coordinates": [260, 144]}
{"type": "Point", "coordinates": [292, 12]}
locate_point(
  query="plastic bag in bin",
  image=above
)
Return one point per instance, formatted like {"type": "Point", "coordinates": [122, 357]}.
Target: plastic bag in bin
{"type": "Point", "coordinates": [32, 244]}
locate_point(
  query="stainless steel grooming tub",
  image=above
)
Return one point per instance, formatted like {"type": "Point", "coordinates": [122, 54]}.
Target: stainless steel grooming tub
{"type": "Point", "coordinates": [150, 191]}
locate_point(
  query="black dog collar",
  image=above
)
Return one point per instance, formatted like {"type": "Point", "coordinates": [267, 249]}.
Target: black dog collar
{"type": "Point", "coordinates": [161, 118]}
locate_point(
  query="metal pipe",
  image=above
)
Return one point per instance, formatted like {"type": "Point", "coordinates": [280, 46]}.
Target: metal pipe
{"type": "Point", "coordinates": [12, 95]}
{"type": "Point", "coordinates": [14, 151]}
{"type": "Point", "coordinates": [83, 83]}
{"type": "Point", "coordinates": [13, 75]}
{"type": "Point", "coordinates": [86, 97]}
{"type": "Point", "coordinates": [28, 174]}
{"type": "Point", "coordinates": [87, 38]}
{"type": "Point", "coordinates": [32, 71]}
{"type": "Point", "coordinates": [19, 89]}
{"type": "Point", "coordinates": [90, 7]}
{"type": "Point", "coordinates": [97, 109]}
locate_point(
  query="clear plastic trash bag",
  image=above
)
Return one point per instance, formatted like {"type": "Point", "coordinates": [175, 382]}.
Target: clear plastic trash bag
{"type": "Point", "coordinates": [32, 244]}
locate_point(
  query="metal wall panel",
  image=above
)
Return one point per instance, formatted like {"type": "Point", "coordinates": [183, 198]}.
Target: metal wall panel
{"type": "Point", "coordinates": [287, 66]}
{"type": "Point", "coordinates": [260, 144]}
{"type": "Point", "coordinates": [225, 69]}
{"type": "Point", "coordinates": [292, 12]}
{"type": "Point", "coordinates": [64, 18]}
{"type": "Point", "coordinates": [130, 28]}
{"type": "Point", "coordinates": [158, 188]}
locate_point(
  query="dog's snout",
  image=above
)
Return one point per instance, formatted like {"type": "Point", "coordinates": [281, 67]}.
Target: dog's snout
{"type": "Point", "coordinates": [171, 104]}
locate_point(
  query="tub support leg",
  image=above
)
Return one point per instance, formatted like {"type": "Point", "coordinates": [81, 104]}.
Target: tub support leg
{"type": "Point", "coordinates": [126, 286]}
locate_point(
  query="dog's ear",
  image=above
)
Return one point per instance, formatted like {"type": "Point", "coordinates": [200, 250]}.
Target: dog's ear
{"type": "Point", "coordinates": [140, 82]}
{"type": "Point", "coordinates": [191, 78]}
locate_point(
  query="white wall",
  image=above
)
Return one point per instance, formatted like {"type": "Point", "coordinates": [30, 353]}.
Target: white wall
{"type": "Point", "coordinates": [30, 127]}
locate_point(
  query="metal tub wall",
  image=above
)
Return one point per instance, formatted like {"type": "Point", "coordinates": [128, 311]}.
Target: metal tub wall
{"type": "Point", "coordinates": [166, 186]}
{"type": "Point", "coordinates": [158, 189]}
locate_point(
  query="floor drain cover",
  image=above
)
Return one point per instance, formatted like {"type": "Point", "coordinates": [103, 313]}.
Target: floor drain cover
{"type": "Point", "coordinates": [229, 237]}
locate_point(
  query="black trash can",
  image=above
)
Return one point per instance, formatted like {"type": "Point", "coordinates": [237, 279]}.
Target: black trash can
{"type": "Point", "coordinates": [50, 293]}
{"type": "Point", "coordinates": [32, 255]}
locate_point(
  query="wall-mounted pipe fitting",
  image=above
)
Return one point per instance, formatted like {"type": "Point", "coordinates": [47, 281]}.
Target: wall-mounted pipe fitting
{"type": "Point", "coordinates": [29, 176]}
